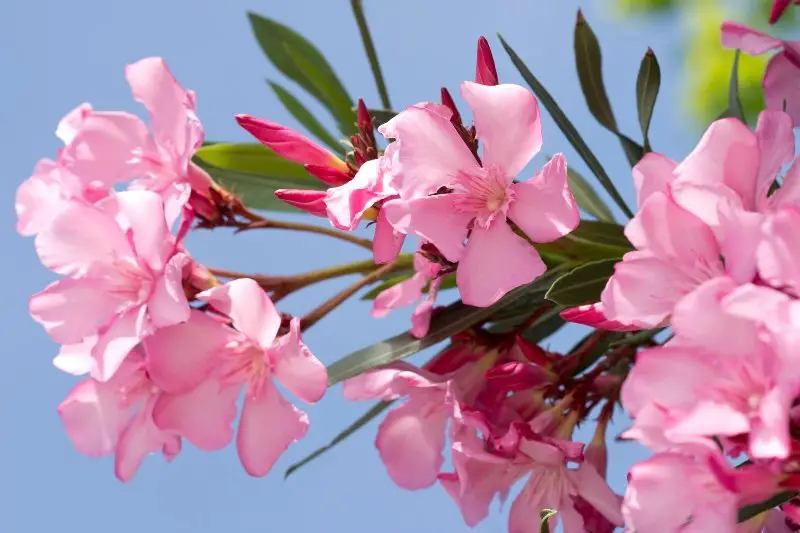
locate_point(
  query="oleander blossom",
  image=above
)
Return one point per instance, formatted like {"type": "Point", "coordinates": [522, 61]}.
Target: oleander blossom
{"type": "Point", "coordinates": [449, 195]}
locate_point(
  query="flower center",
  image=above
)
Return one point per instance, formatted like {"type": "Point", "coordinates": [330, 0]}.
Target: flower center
{"type": "Point", "coordinates": [246, 362]}
{"type": "Point", "coordinates": [128, 282]}
{"type": "Point", "coordinates": [486, 195]}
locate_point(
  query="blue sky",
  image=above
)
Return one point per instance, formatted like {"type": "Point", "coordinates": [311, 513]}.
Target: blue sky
{"type": "Point", "coordinates": [55, 55]}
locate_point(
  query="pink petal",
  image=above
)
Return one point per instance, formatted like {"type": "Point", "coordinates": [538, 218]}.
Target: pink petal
{"type": "Point", "coordinates": [390, 382]}
{"type": "Point", "coordinates": [108, 148]}
{"type": "Point", "coordinates": [544, 207]}
{"type": "Point", "coordinates": [388, 242]}
{"type": "Point", "coordinates": [748, 40]}
{"type": "Point", "coordinates": [740, 235]}
{"type": "Point", "coordinates": [706, 202]}
{"type": "Point", "coordinates": [779, 253]}
{"type": "Point", "coordinates": [780, 86]}
{"type": "Point", "coordinates": [114, 344]}
{"type": "Point", "coordinates": [496, 260]}
{"type": "Point", "coordinates": [776, 142]}
{"type": "Point", "coordinates": [727, 154]}
{"type": "Point", "coordinates": [79, 237]}
{"type": "Point", "coordinates": [710, 418]}
{"type": "Point", "coordinates": [203, 415]}
{"type": "Point", "coordinates": [176, 128]}
{"type": "Point", "coordinates": [347, 203]}
{"type": "Point", "coordinates": [181, 356]}
{"type": "Point", "coordinates": [40, 198]}
{"type": "Point", "coordinates": [789, 194]}
{"type": "Point", "coordinates": [653, 173]}
{"type": "Point", "coordinates": [434, 218]}
{"type": "Point", "coordinates": [312, 202]}
{"type": "Point", "coordinates": [431, 153]}
{"type": "Point", "coordinates": [594, 489]}
{"type": "Point", "coordinates": [71, 123]}
{"type": "Point", "coordinates": [144, 211]}
{"type": "Point", "coordinates": [402, 294]}
{"type": "Point", "coordinates": [140, 438]}
{"type": "Point", "coordinates": [71, 309]}
{"type": "Point", "coordinates": [769, 434]}
{"type": "Point", "coordinates": [76, 359]}
{"type": "Point", "coordinates": [508, 125]}
{"type": "Point", "coordinates": [251, 310]}
{"type": "Point", "coordinates": [540, 492]}
{"type": "Point", "coordinates": [411, 439]}
{"type": "Point", "coordinates": [93, 416]}
{"type": "Point", "coordinates": [269, 425]}
{"type": "Point", "coordinates": [289, 144]}
{"type": "Point", "coordinates": [167, 305]}
{"type": "Point", "coordinates": [421, 317]}
{"type": "Point", "coordinates": [296, 367]}
{"type": "Point", "coordinates": [592, 315]}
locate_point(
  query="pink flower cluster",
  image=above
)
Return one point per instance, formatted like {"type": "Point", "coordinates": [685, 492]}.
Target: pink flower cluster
{"type": "Point", "coordinates": [473, 217]}
{"type": "Point", "coordinates": [716, 258]}
{"type": "Point", "coordinates": [490, 398]}
{"type": "Point", "coordinates": [160, 369]}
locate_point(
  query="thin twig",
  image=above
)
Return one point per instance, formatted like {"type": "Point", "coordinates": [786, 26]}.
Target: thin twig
{"type": "Point", "coordinates": [372, 54]}
{"type": "Point", "coordinates": [317, 314]}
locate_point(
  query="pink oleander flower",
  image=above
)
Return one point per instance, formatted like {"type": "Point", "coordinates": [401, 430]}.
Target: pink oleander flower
{"type": "Point", "coordinates": [778, 9]}
{"type": "Point", "coordinates": [204, 384]}
{"type": "Point", "coordinates": [126, 276]}
{"type": "Point", "coordinates": [116, 417]}
{"type": "Point", "coordinates": [409, 291]}
{"type": "Point", "coordinates": [676, 493]}
{"type": "Point", "coordinates": [718, 377]}
{"type": "Point", "coordinates": [780, 78]}
{"type": "Point", "coordinates": [582, 497]}
{"type": "Point", "coordinates": [448, 197]}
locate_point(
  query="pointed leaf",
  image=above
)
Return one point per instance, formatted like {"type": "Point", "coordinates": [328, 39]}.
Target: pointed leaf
{"type": "Point", "coordinates": [735, 109]}
{"type": "Point", "coordinates": [566, 126]}
{"type": "Point", "coordinates": [254, 158]}
{"type": "Point", "coordinates": [453, 319]}
{"type": "Point", "coordinates": [648, 82]}
{"type": "Point", "coordinates": [748, 512]}
{"type": "Point", "coordinates": [374, 411]}
{"type": "Point", "coordinates": [285, 49]}
{"type": "Point", "coordinates": [582, 285]}
{"type": "Point", "coordinates": [592, 240]}
{"type": "Point", "coordinates": [304, 117]}
{"type": "Point", "coordinates": [587, 198]}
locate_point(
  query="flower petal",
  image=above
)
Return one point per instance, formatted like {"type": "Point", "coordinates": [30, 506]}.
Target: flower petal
{"type": "Point", "coordinates": [251, 310]}
{"type": "Point", "coordinates": [780, 86]}
{"type": "Point", "coordinates": [144, 211]}
{"type": "Point", "coordinates": [434, 218]}
{"type": "Point", "coordinates": [748, 40]}
{"type": "Point", "coordinates": [167, 305]}
{"type": "Point", "coordinates": [776, 142]}
{"type": "Point", "coordinates": [653, 173]}
{"type": "Point", "coordinates": [139, 439]}
{"type": "Point", "coordinates": [388, 242]}
{"type": "Point", "coordinates": [71, 309]}
{"type": "Point", "coordinates": [496, 260]}
{"type": "Point", "coordinates": [347, 203]}
{"type": "Point", "coordinates": [269, 425]}
{"type": "Point", "coordinates": [508, 125]}
{"type": "Point", "coordinates": [779, 253]}
{"type": "Point", "coordinates": [402, 294]}
{"type": "Point", "coordinates": [116, 342]}
{"type": "Point", "coordinates": [94, 416]}
{"type": "Point", "coordinates": [296, 367]}
{"type": "Point", "coordinates": [544, 207]}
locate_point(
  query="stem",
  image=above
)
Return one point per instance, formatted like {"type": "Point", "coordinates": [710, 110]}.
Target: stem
{"type": "Point", "coordinates": [257, 221]}
{"type": "Point", "coordinates": [317, 314]}
{"type": "Point", "coordinates": [372, 54]}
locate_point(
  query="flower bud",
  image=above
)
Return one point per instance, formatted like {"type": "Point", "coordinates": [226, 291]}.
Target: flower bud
{"type": "Point", "coordinates": [308, 200]}
{"type": "Point", "coordinates": [485, 72]}
{"type": "Point", "coordinates": [328, 175]}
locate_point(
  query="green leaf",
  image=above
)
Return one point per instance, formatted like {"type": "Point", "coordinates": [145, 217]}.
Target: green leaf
{"type": "Point", "coordinates": [592, 240]}
{"type": "Point", "coordinates": [548, 324]}
{"type": "Point", "coordinates": [253, 172]}
{"type": "Point", "coordinates": [748, 512]}
{"type": "Point", "coordinates": [735, 109]}
{"type": "Point", "coordinates": [596, 352]}
{"type": "Point", "coordinates": [648, 82]}
{"type": "Point", "coordinates": [382, 116]}
{"type": "Point", "coordinates": [582, 285]}
{"type": "Point", "coordinates": [374, 411]}
{"type": "Point", "coordinates": [587, 198]}
{"type": "Point", "coordinates": [566, 126]}
{"type": "Point", "coordinates": [453, 319]}
{"type": "Point", "coordinates": [589, 62]}
{"type": "Point", "coordinates": [544, 516]}
{"type": "Point", "coordinates": [302, 62]}
{"type": "Point", "coordinates": [304, 117]}
{"type": "Point", "coordinates": [369, 48]}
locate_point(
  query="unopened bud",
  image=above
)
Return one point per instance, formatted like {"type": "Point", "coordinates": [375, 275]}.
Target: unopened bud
{"type": "Point", "coordinates": [312, 202]}
{"type": "Point", "coordinates": [328, 175]}
{"type": "Point", "coordinates": [365, 121]}
{"type": "Point", "coordinates": [485, 72]}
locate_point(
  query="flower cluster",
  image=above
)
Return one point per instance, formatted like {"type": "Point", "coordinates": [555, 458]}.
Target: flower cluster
{"type": "Point", "coordinates": [160, 368]}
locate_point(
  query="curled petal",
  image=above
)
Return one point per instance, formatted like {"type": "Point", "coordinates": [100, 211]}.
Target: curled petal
{"type": "Point", "coordinates": [592, 315]}
{"type": "Point", "coordinates": [251, 310]}
{"type": "Point", "coordinates": [296, 367]}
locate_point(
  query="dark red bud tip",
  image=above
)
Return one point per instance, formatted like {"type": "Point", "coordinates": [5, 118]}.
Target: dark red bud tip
{"type": "Point", "coordinates": [778, 9]}
{"type": "Point", "coordinates": [579, 18]}
{"type": "Point", "coordinates": [364, 118]}
{"type": "Point", "coordinates": [485, 72]}
{"type": "Point", "coordinates": [448, 102]}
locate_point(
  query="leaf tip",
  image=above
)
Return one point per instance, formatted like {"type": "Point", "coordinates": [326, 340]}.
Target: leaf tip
{"type": "Point", "coordinates": [579, 19]}
{"type": "Point", "coordinates": [650, 52]}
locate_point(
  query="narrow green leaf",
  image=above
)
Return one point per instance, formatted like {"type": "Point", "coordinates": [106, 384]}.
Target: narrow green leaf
{"type": "Point", "coordinates": [589, 63]}
{"type": "Point", "coordinates": [382, 116]}
{"type": "Point", "coordinates": [453, 319]}
{"type": "Point", "coordinates": [597, 351]}
{"type": "Point", "coordinates": [735, 109]}
{"type": "Point", "coordinates": [548, 323]}
{"type": "Point", "coordinates": [302, 62]}
{"type": "Point", "coordinates": [374, 411]}
{"type": "Point", "coordinates": [304, 117]}
{"type": "Point", "coordinates": [582, 285]}
{"type": "Point", "coordinates": [746, 513]}
{"type": "Point", "coordinates": [648, 83]}
{"type": "Point", "coordinates": [605, 233]}
{"type": "Point", "coordinates": [544, 516]}
{"type": "Point", "coordinates": [369, 48]}
{"type": "Point", "coordinates": [254, 172]}
{"type": "Point", "coordinates": [566, 126]}
{"type": "Point", "coordinates": [592, 240]}
{"type": "Point", "coordinates": [587, 198]}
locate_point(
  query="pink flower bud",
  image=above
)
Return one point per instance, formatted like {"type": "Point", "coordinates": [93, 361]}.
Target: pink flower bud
{"type": "Point", "coordinates": [289, 144]}
{"type": "Point", "coordinates": [309, 201]}
{"type": "Point", "coordinates": [778, 9]}
{"type": "Point", "coordinates": [328, 175]}
{"type": "Point", "coordinates": [485, 73]}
